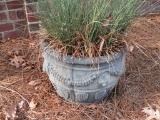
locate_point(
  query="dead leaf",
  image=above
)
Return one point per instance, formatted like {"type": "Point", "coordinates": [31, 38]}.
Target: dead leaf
{"type": "Point", "coordinates": [28, 65]}
{"type": "Point", "coordinates": [24, 65]}
{"type": "Point", "coordinates": [10, 112]}
{"type": "Point", "coordinates": [16, 61]}
{"type": "Point", "coordinates": [57, 100]}
{"type": "Point", "coordinates": [27, 68]}
{"type": "Point", "coordinates": [34, 82]}
{"type": "Point", "coordinates": [92, 106]}
{"type": "Point", "coordinates": [119, 114]}
{"type": "Point", "coordinates": [2, 41]}
{"type": "Point", "coordinates": [101, 45]}
{"type": "Point", "coordinates": [20, 104]}
{"type": "Point", "coordinates": [130, 48]}
{"type": "Point", "coordinates": [153, 114]}
{"type": "Point", "coordinates": [73, 118]}
{"type": "Point", "coordinates": [32, 104]}
{"type": "Point", "coordinates": [16, 52]}
{"type": "Point", "coordinates": [32, 45]}
{"type": "Point", "coordinates": [107, 20]}
{"type": "Point", "coordinates": [9, 53]}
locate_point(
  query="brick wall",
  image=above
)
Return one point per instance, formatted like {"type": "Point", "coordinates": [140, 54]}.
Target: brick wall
{"type": "Point", "coordinates": [18, 18]}
{"type": "Point", "coordinates": [12, 19]}
{"type": "Point", "coordinates": [32, 17]}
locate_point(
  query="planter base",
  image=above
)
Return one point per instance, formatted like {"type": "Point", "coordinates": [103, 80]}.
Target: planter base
{"type": "Point", "coordinates": [83, 80]}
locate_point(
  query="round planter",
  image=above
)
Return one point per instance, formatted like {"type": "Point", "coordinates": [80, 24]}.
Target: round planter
{"type": "Point", "coordinates": [83, 80]}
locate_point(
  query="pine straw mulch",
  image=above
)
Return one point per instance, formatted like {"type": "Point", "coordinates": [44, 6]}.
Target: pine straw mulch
{"type": "Point", "coordinates": [29, 90]}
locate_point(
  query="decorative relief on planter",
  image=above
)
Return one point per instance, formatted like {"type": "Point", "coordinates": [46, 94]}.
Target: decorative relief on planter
{"type": "Point", "coordinates": [81, 96]}
{"type": "Point", "coordinates": [63, 93]}
{"type": "Point", "coordinates": [78, 82]}
{"type": "Point", "coordinates": [99, 94]}
{"type": "Point", "coordinates": [55, 87]}
{"type": "Point", "coordinates": [82, 81]}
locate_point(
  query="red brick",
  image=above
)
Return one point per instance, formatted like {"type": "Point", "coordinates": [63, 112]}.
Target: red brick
{"type": "Point", "coordinates": [34, 27]}
{"type": "Point", "coordinates": [155, 2]}
{"type": "Point", "coordinates": [2, 6]}
{"type": "Point", "coordinates": [1, 36]}
{"type": "Point", "coordinates": [3, 17]}
{"type": "Point", "coordinates": [30, 1]}
{"type": "Point", "coordinates": [21, 24]}
{"type": "Point", "coordinates": [14, 4]}
{"type": "Point", "coordinates": [15, 34]}
{"type": "Point", "coordinates": [21, 14]}
{"type": "Point", "coordinates": [16, 15]}
{"type": "Point", "coordinates": [31, 8]}
{"type": "Point", "coordinates": [33, 18]}
{"type": "Point", "coordinates": [6, 27]}
{"type": "Point", "coordinates": [13, 15]}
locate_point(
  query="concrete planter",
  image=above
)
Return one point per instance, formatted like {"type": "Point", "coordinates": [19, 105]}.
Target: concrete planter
{"type": "Point", "coordinates": [83, 80]}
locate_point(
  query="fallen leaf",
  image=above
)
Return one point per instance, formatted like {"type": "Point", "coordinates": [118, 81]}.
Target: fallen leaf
{"type": "Point", "coordinates": [17, 61]}
{"type": "Point", "coordinates": [92, 106]}
{"type": "Point", "coordinates": [10, 112]}
{"type": "Point", "coordinates": [20, 104]}
{"type": "Point", "coordinates": [119, 114]}
{"type": "Point", "coordinates": [2, 41]}
{"type": "Point", "coordinates": [28, 65]}
{"type": "Point", "coordinates": [24, 65]}
{"type": "Point", "coordinates": [73, 118]}
{"type": "Point", "coordinates": [130, 48]}
{"type": "Point", "coordinates": [27, 68]}
{"type": "Point", "coordinates": [32, 104]}
{"type": "Point", "coordinates": [153, 114]}
{"type": "Point", "coordinates": [57, 100]}
{"type": "Point", "coordinates": [32, 45]}
{"type": "Point", "coordinates": [34, 82]}
{"type": "Point", "coordinates": [101, 45]}
{"type": "Point", "coordinates": [16, 52]}
{"type": "Point", "coordinates": [107, 20]}
{"type": "Point", "coordinates": [9, 53]}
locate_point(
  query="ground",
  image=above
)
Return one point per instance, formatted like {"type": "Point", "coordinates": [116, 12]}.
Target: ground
{"type": "Point", "coordinates": [27, 94]}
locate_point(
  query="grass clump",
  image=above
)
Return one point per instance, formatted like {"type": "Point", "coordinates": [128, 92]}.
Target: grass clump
{"type": "Point", "coordinates": [86, 27]}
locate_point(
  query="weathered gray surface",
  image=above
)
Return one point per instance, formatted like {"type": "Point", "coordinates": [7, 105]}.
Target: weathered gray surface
{"type": "Point", "coordinates": [149, 6]}
{"type": "Point", "coordinates": [83, 80]}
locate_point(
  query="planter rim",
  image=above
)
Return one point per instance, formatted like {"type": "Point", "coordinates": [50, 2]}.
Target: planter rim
{"type": "Point", "coordinates": [82, 60]}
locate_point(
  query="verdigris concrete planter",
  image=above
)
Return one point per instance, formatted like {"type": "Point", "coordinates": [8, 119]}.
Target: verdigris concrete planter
{"type": "Point", "coordinates": [83, 80]}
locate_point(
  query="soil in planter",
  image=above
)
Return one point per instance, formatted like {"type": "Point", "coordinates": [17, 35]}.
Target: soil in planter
{"type": "Point", "coordinates": [78, 49]}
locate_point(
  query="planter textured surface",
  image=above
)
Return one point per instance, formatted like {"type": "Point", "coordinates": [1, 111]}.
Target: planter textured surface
{"type": "Point", "coordinates": [83, 80]}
